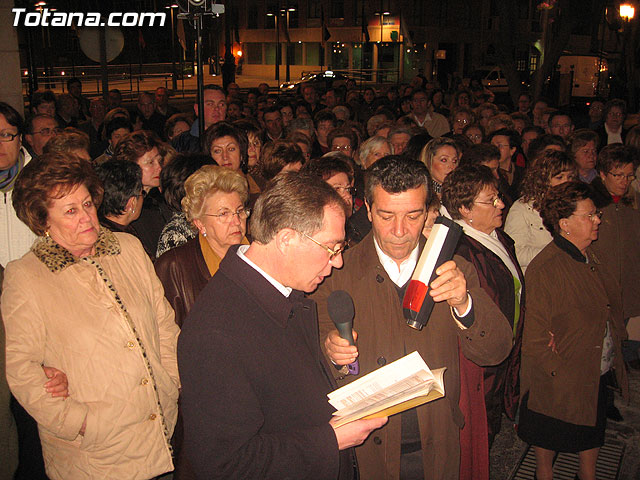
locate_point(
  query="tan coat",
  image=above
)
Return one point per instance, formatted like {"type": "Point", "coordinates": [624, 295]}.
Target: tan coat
{"type": "Point", "coordinates": [574, 301]}
{"type": "Point", "coordinates": [383, 336]}
{"type": "Point", "coordinates": [103, 321]}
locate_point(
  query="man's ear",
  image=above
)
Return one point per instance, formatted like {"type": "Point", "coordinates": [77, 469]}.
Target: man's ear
{"type": "Point", "coordinates": [368, 210]}
{"type": "Point", "coordinates": [285, 239]}
{"type": "Point", "coordinates": [195, 107]}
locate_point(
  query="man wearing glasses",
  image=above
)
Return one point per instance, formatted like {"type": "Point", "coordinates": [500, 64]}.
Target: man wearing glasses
{"type": "Point", "coordinates": [15, 237]}
{"type": "Point", "coordinates": [254, 380]}
{"type": "Point", "coordinates": [421, 443]}
{"type": "Point", "coordinates": [40, 129]}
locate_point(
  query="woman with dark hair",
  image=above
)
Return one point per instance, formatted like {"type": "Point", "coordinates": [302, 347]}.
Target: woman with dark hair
{"type": "Point", "coordinates": [280, 156]}
{"type": "Point", "coordinates": [228, 146]}
{"type": "Point", "coordinates": [114, 131]}
{"type": "Point", "coordinates": [123, 194]}
{"type": "Point", "coordinates": [87, 301]}
{"type": "Point", "coordinates": [254, 145]}
{"type": "Point", "coordinates": [175, 125]}
{"type": "Point", "coordinates": [583, 147]}
{"type": "Point", "coordinates": [416, 144]}
{"type": "Point", "coordinates": [572, 337]}
{"type": "Point", "coordinates": [512, 168]}
{"type": "Point", "coordinates": [617, 245]}
{"type": "Point", "coordinates": [523, 222]}
{"type": "Point", "coordinates": [178, 230]}
{"type": "Point", "coordinates": [470, 195]}
{"type": "Point", "coordinates": [474, 132]}
{"type": "Point", "coordinates": [144, 148]}
{"type": "Point", "coordinates": [544, 143]}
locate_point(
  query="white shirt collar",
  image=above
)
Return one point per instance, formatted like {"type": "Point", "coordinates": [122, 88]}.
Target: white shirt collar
{"type": "Point", "coordinates": [286, 291]}
{"type": "Point", "coordinates": [398, 275]}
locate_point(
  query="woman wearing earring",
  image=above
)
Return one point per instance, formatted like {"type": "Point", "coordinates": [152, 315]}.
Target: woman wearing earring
{"type": "Point", "coordinates": [122, 200]}
{"type": "Point", "coordinates": [215, 204]}
{"type": "Point", "coordinates": [572, 336]}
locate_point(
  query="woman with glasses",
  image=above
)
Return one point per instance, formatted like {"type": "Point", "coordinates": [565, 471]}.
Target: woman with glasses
{"type": "Point", "coordinates": [343, 139]}
{"type": "Point", "coordinates": [618, 244]}
{"type": "Point", "coordinates": [470, 195]}
{"type": "Point", "coordinates": [572, 336]}
{"type": "Point", "coordinates": [460, 118]}
{"type": "Point", "coordinates": [523, 222]}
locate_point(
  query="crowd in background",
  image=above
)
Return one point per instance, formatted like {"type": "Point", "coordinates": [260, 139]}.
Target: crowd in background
{"type": "Point", "coordinates": [543, 194]}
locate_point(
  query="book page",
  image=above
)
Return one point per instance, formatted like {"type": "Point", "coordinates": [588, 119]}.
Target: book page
{"type": "Point", "coordinates": [396, 387]}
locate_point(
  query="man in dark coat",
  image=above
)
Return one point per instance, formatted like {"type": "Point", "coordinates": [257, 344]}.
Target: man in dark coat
{"type": "Point", "coordinates": [254, 380]}
{"type": "Point", "coordinates": [421, 443]}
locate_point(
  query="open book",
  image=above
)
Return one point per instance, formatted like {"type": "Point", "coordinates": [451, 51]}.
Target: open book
{"type": "Point", "coordinates": [394, 388]}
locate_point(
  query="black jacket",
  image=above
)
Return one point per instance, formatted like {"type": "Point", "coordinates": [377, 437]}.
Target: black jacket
{"type": "Point", "coordinates": [254, 383]}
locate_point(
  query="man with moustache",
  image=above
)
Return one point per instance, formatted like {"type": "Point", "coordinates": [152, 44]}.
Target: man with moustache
{"type": "Point", "coordinates": [421, 443]}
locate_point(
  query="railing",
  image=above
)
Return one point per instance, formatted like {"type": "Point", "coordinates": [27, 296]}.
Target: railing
{"type": "Point", "coordinates": [131, 79]}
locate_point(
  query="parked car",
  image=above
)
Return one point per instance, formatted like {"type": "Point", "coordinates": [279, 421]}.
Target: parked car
{"type": "Point", "coordinates": [321, 80]}
{"type": "Point", "coordinates": [492, 78]}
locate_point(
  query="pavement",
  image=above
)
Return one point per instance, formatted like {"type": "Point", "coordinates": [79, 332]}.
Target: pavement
{"type": "Point", "coordinates": [508, 449]}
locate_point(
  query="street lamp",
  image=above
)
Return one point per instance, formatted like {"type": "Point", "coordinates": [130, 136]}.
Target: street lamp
{"type": "Point", "coordinates": [275, 17]}
{"type": "Point", "coordinates": [289, 10]}
{"type": "Point", "coordinates": [627, 12]}
{"type": "Point", "coordinates": [45, 64]}
{"type": "Point", "coordinates": [174, 79]}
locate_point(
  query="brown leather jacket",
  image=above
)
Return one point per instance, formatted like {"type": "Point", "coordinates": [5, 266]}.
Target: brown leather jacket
{"type": "Point", "coordinates": [183, 273]}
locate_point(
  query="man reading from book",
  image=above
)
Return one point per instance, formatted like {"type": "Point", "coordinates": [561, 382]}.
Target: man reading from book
{"type": "Point", "coordinates": [254, 380]}
{"type": "Point", "coordinates": [423, 442]}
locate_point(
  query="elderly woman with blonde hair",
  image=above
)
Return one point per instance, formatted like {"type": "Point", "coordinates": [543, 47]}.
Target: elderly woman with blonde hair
{"type": "Point", "coordinates": [215, 204]}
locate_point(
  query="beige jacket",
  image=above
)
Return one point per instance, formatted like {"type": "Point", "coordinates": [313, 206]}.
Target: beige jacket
{"type": "Point", "coordinates": [104, 321]}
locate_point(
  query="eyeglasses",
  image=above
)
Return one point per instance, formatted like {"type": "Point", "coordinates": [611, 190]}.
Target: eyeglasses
{"type": "Point", "coordinates": [227, 216]}
{"type": "Point", "coordinates": [337, 148]}
{"type": "Point", "coordinates": [591, 216]}
{"type": "Point", "coordinates": [7, 137]}
{"type": "Point", "coordinates": [622, 176]}
{"type": "Point", "coordinates": [332, 253]}
{"type": "Point", "coordinates": [342, 190]}
{"type": "Point", "coordinates": [494, 203]}
{"type": "Point", "coordinates": [48, 131]}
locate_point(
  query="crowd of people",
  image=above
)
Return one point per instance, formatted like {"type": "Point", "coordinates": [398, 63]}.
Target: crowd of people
{"type": "Point", "coordinates": [166, 299]}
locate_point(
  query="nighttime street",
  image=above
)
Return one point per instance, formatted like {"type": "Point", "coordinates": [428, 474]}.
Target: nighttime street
{"type": "Point", "coordinates": [217, 213]}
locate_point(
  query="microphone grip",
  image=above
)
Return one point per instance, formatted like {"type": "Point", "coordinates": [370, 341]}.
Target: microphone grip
{"type": "Point", "coordinates": [345, 331]}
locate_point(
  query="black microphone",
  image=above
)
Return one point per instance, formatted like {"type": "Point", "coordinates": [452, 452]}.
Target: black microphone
{"type": "Point", "coordinates": [342, 311]}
